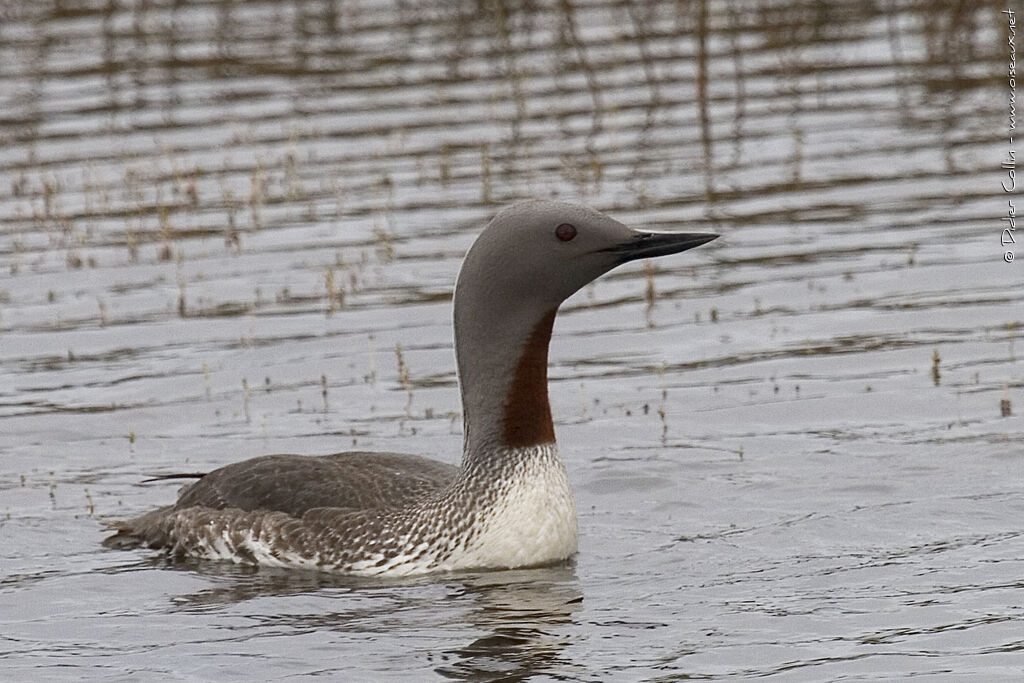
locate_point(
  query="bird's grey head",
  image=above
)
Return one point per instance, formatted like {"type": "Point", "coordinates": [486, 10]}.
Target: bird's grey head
{"type": "Point", "coordinates": [538, 253]}
{"type": "Point", "coordinates": [530, 258]}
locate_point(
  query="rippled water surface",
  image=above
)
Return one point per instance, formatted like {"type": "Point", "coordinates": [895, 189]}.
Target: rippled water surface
{"type": "Point", "coordinates": [231, 229]}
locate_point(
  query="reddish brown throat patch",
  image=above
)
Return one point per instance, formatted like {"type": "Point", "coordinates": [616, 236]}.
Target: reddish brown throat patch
{"type": "Point", "coordinates": [527, 417]}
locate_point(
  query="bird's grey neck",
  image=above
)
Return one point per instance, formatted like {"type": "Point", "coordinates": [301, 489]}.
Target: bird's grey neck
{"type": "Point", "coordinates": [502, 358]}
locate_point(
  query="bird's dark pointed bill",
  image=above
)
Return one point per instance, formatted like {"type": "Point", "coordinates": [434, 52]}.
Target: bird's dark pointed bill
{"type": "Point", "coordinates": [650, 244]}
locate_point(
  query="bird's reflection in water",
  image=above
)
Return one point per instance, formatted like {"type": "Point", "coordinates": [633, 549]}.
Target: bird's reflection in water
{"type": "Point", "coordinates": [522, 615]}
{"type": "Point", "coordinates": [519, 615]}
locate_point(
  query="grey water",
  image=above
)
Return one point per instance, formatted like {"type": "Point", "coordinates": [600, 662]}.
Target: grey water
{"type": "Point", "coordinates": [231, 229]}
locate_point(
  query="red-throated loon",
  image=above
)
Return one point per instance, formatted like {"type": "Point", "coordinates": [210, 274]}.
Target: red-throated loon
{"type": "Point", "coordinates": [508, 504]}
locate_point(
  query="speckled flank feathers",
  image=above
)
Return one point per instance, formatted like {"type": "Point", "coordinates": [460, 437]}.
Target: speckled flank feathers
{"type": "Point", "coordinates": [523, 515]}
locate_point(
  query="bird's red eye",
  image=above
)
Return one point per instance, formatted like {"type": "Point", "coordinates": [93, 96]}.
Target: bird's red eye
{"type": "Point", "coordinates": [565, 232]}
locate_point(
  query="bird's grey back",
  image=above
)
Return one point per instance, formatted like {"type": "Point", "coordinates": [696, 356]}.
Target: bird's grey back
{"type": "Point", "coordinates": [296, 483]}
